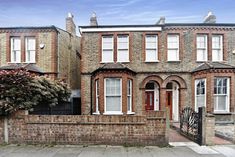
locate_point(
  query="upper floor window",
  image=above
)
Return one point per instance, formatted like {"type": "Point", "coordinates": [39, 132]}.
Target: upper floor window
{"type": "Point", "coordinates": [15, 50]}
{"type": "Point", "coordinates": [200, 93]}
{"type": "Point", "coordinates": [151, 49]}
{"type": "Point", "coordinates": [217, 48]}
{"type": "Point", "coordinates": [201, 47]}
{"type": "Point", "coordinates": [122, 48]}
{"type": "Point", "coordinates": [221, 94]}
{"type": "Point", "coordinates": [30, 49]}
{"type": "Point", "coordinates": [107, 49]}
{"type": "Point", "coordinates": [173, 47]}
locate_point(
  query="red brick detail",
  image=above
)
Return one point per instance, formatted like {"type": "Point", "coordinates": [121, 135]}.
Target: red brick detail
{"type": "Point", "coordinates": [178, 79]}
{"type": "Point", "coordinates": [154, 78]}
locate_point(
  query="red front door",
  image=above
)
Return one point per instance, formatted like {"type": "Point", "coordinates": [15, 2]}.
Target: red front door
{"type": "Point", "coordinates": [149, 100]}
{"type": "Point", "coordinates": [169, 102]}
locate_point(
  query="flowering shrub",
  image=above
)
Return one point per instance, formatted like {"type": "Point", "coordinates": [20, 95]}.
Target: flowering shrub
{"type": "Point", "coordinates": [21, 90]}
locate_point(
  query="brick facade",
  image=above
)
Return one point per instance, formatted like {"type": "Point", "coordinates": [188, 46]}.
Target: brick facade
{"type": "Point", "coordinates": [161, 72]}
{"type": "Point", "coordinates": [57, 59]}
{"type": "Point", "coordinates": [113, 130]}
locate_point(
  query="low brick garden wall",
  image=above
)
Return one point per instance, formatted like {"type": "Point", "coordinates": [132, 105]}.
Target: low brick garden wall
{"type": "Point", "coordinates": [87, 129]}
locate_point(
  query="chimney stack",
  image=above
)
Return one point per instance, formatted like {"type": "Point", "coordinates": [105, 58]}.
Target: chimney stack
{"type": "Point", "coordinates": [93, 20]}
{"type": "Point", "coordinates": [210, 18]}
{"type": "Point", "coordinates": [70, 25]}
{"type": "Point", "coordinates": [161, 21]}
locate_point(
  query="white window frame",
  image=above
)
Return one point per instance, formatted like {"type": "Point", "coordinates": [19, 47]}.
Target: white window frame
{"type": "Point", "coordinates": [218, 49]}
{"type": "Point", "coordinates": [14, 52]}
{"type": "Point", "coordinates": [97, 97]}
{"type": "Point", "coordinates": [111, 60]}
{"type": "Point", "coordinates": [175, 48]}
{"type": "Point", "coordinates": [27, 52]}
{"type": "Point", "coordinates": [227, 97]}
{"type": "Point", "coordinates": [195, 95]}
{"type": "Point", "coordinates": [156, 48]}
{"type": "Point", "coordinates": [105, 95]}
{"type": "Point", "coordinates": [205, 48]}
{"type": "Point", "coordinates": [129, 95]}
{"type": "Point", "coordinates": [119, 50]}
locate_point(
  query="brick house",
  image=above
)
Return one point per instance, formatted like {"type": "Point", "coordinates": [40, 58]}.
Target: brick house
{"type": "Point", "coordinates": [131, 69]}
{"type": "Point", "coordinates": [46, 50]}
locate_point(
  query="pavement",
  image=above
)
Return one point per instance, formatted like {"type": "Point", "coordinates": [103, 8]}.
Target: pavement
{"type": "Point", "coordinates": [177, 149]}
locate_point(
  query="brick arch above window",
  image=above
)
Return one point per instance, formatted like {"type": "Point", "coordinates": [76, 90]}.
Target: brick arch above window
{"type": "Point", "coordinates": [154, 78]}
{"type": "Point", "coordinates": [175, 78]}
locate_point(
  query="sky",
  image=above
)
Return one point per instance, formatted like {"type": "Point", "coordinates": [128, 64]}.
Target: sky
{"type": "Point", "coordinates": [110, 12]}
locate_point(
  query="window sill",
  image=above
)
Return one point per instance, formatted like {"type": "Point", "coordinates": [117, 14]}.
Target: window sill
{"type": "Point", "coordinates": [14, 62]}
{"type": "Point", "coordinates": [218, 61]}
{"type": "Point", "coordinates": [221, 112]}
{"type": "Point", "coordinates": [130, 113]}
{"type": "Point", "coordinates": [29, 62]}
{"type": "Point", "coordinates": [113, 113]}
{"type": "Point", "coordinates": [177, 61]}
{"type": "Point", "coordinates": [201, 61]}
{"type": "Point", "coordinates": [96, 113]}
{"type": "Point", "coordinates": [123, 62]}
{"type": "Point", "coordinates": [156, 61]}
{"type": "Point", "coordinates": [106, 62]}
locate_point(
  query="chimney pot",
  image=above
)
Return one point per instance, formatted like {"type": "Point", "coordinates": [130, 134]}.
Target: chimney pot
{"type": "Point", "coordinates": [93, 20]}
{"type": "Point", "coordinates": [210, 18]}
{"type": "Point", "coordinates": [161, 21]}
{"type": "Point", "coordinates": [70, 25]}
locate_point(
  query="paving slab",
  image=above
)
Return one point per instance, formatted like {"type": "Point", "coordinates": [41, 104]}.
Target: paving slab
{"type": "Point", "coordinates": [92, 151]}
{"type": "Point", "coordinates": [225, 150]}
{"type": "Point", "coordinates": [115, 151]}
{"type": "Point", "coordinates": [138, 152]}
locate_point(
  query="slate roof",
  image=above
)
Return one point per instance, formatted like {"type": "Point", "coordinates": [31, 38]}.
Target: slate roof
{"type": "Point", "coordinates": [113, 66]}
{"type": "Point", "coordinates": [213, 65]}
{"type": "Point", "coordinates": [28, 67]}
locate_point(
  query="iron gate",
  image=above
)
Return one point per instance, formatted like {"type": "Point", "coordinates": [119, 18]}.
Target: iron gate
{"type": "Point", "coordinates": [191, 124]}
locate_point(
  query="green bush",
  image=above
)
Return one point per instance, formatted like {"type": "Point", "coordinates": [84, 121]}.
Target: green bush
{"type": "Point", "coordinates": [21, 90]}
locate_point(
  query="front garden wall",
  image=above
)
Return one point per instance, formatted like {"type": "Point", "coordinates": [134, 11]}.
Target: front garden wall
{"type": "Point", "coordinates": [87, 129]}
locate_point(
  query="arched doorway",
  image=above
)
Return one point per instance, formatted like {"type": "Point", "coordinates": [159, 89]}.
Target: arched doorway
{"type": "Point", "coordinates": [172, 100]}
{"type": "Point", "coordinates": [151, 96]}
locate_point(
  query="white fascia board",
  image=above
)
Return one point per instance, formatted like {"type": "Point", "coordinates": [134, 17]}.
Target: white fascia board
{"type": "Point", "coordinates": [120, 29]}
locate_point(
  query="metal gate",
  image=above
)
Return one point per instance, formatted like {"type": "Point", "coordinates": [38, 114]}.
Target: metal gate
{"type": "Point", "coordinates": [191, 124]}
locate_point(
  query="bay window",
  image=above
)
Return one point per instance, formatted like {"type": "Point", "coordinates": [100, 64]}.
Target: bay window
{"type": "Point", "coordinates": [217, 48]}
{"type": "Point", "coordinates": [129, 96]}
{"type": "Point", "coordinates": [200, 93]}
{"type": "Point", "coordinates": [202, 48]}
{"type": "Point", "coordinates": [151, 49]}
{"type": "Point", "coordinates": [221, 94]}
{"type": "Point", "coordinates": [113, 96]}
{"type": "Point", "coordinates": [173, 47]}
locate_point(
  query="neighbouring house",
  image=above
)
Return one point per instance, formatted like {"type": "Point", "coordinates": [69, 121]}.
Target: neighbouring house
{"type": "Point", "coordinates": [44, 50]}
{"type": "Point", "coordinates": [133, 69]}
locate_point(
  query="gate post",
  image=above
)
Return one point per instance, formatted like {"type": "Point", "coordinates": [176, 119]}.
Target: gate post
{"type": "Point", "coordinates": [207, 126]}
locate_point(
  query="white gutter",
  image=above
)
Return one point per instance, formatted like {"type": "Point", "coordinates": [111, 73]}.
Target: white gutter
{"type": "Point", "coordinates": [120, 29]}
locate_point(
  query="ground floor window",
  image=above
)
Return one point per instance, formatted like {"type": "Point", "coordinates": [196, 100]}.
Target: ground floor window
{"type": "Point", "coordinates": [97, 96]}
{"type": "Point", "coordinates": [221, 94]}
{"type": "Point", "coordinates": [200, 93]}
{"type": "Point", "coordinates": [113, 96]}
{"type": "Point", "coordinates": [129, 96]}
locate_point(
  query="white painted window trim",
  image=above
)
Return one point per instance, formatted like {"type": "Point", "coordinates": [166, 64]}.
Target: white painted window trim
{"type": "Point", "coordinates": [112, 59]}
{"type": "Point", "coordinates": [177, 48]}
{"type": "Point", "coordinates": [156, 49]}
{"type": "Point", "coordinates": [206, 48]}
{"type": "Point", "coordinates": [26, 50]}
{"type": "Point", "coordinates": [130, 95]}
{"type": "Point", "coordinates": [97, 112]}
{"type": "Point", "coordinates": [227, 110]}
{"type": "Point", "coordinates": [12, 51]}
{"type": "Point", "coordinates": [221, 48]}
{"type": "Point", "coordinates": [112, 112]}
{"type": "Point", "coordinates": [195, 89]}
{"type": "Point", "coordinates": [128, 49]}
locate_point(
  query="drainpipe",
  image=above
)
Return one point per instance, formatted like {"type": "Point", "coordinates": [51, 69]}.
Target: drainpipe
{"type": "Point", "coordinates": [6, 133]}
{"type": "Point", "coordinates": [91, 92]}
